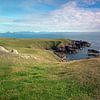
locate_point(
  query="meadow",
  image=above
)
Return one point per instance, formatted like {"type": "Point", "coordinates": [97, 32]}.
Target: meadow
{"type": "Point", "coordinates": [36, 73]}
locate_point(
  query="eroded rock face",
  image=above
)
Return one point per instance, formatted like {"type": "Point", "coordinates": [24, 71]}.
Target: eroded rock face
{"type": "Point", "coordinates": [2, 49]}
{"type": "Point", "coordinates": [14, 51]}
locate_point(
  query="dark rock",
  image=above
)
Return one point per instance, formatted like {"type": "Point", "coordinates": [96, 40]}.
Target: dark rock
{"type": "Point", "coordinates": [93, 51]}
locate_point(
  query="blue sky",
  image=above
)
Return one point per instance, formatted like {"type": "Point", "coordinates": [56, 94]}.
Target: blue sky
{"type": "Point", "coordinates": [49, 15]}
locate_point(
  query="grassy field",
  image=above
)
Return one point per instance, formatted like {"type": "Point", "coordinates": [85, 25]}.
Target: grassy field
{"type": "Point", "coordinates": [37, 74]}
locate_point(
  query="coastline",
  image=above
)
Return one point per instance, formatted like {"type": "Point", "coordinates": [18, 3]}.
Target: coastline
{"type": "Point", "coordinates": [63, 48]}
{"type": "Point", "coordinates": [30, 67]}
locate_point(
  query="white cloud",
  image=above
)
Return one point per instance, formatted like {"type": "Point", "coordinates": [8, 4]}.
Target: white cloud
{"type": "Point", "coordinates": [5, 20]}
{"type": "Point", "coordinates": [69, 17]}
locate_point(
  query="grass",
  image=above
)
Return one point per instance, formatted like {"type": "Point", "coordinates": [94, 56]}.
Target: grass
{"type": "Point", "coordinates": [45, 78]}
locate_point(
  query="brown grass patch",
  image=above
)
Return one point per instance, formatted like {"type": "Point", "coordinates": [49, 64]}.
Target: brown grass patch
{"type": "Point", "coordinates": [16, 69]}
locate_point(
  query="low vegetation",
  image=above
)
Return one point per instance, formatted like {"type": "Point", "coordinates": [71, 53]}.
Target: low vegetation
{"type": "Point", "coordinates": [36, 73]}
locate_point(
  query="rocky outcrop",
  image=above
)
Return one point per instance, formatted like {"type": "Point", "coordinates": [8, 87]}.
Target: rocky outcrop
{"type": "Point", "coordinates": [3, 50]}
{"type": "Point", "coordinates": [93, 52]}
{"type": "Point", "coordinates": [73, 47]}
{"type": "Point", "coordinates": [13, 51]}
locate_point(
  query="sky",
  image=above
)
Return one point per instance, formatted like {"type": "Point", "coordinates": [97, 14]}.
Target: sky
{"type": "Point", "coordinates": [50, 15]}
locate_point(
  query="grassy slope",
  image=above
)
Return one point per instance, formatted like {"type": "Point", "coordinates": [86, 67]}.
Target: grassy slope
{"type": "Point", "coordinates": [46, 78]}
{"type": "Point", "coordinates": [36, 47]}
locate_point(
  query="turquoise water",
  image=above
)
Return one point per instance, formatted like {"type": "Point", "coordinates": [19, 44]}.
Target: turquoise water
{"type": "Point", "coordinates": [93, 38]}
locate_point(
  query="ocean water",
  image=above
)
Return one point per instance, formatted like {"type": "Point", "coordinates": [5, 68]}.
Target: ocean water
{"type": "Point", "coordinates": [93, 38]}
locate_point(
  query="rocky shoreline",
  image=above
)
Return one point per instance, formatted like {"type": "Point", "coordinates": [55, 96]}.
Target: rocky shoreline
{"type": "Point", "coordinates": [74, 47]}
{"type": "Point", "coordinates": [61, 49]}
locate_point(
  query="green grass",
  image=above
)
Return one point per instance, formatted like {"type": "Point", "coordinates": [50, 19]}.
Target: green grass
{"type": "Point", "coordinates": [32, 43]}
{"type": "Point", "coordinates": [46, 78]}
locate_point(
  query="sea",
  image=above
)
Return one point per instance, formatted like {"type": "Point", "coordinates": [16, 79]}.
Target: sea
{"type": "Point", "coordinates": [91, 37]}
